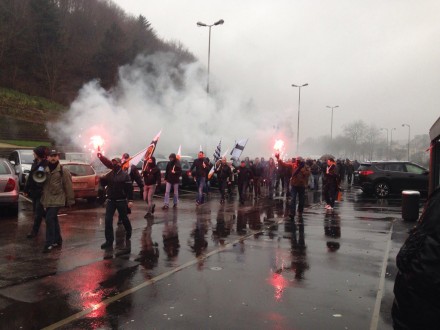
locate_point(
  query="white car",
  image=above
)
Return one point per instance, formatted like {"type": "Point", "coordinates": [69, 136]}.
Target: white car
{"type": "Point", "coordinates": [22, 160]}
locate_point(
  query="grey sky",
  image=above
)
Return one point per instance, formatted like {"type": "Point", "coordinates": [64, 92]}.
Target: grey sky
{"type": "Point", "coordinates": [378, 59]}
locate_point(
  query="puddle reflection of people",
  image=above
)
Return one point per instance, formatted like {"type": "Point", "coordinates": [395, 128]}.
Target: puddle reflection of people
{"type": "Point", "coordinates": [332, 230]}
{"type": "Point", "coordinates": [170, 236]}
{"type": "Point", "coordinates": [299, 262]}
{"type": "Point", "coordinates": [222, 228]}
{"type": "Point", "coordinates": [199, 243]}
{"type": "Point", "coordinates": [149, 253]}
{"type": "Point", "coordinates": [241, 222]}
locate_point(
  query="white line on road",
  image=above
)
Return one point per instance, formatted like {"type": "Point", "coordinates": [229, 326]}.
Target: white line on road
{"type": "Point", "coordinates": [380, 290]}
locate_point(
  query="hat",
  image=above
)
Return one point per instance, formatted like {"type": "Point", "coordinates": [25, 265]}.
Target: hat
{"type": "Point", "coordinates": [53, 152]}
{"type": "Point", "coordinates": [117, 160]}
{"type": "Point", "coordinates": [126, 156]}
{"type": "Point", "coordinates": [40, 151]}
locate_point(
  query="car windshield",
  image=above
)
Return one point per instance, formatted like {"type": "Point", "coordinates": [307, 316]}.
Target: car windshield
{"type": "Point", "coordinates": [162, 165]}
{"type": "Point", "coordinates": [4, 168]}
{"type": "Point", "coordinates": [79, 169]}
{"type": "Point", "coordinates": [27, 157]}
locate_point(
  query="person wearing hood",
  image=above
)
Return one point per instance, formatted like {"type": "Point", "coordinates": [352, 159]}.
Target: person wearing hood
{"type": "Point", "coordinates": [330, 185]}
{"type": "Point", "coordinates": [57, 192]}
{"type": "Point", "coordinates": [35, 189]}
{"type": "Point", "coordinates": [224, 174]}
{"type": "Point", "coordinates": [151, 175]}
{"type": "Point", "coordinates": [119, 197]}
{"type": "Point", "coordinates": [133, 172]}
{"type": "Point", "coordinates": [172, 175]}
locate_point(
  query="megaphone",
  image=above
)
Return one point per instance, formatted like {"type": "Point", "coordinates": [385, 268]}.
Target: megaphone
{"type": "Point", "coordinates": [39, 175]}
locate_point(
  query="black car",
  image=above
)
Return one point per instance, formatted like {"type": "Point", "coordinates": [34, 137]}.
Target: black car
{"type": "Point", "coordinates": [391, 177]}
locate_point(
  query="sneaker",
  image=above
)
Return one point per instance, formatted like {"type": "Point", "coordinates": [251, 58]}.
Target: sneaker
{"type": "Point", "coordinates": [174, 206]}
{"type": "Point", "coordinates": [47, 248]}
{"type": "Point", "coordinates": [152, 209]}
{"type": "Point", "coordinates": [127, 236]}
{"type": "Point", "coordinates": [165, 207]}
{"type": "Point", "coordinates": [327, 206]}
{"type": "Point", "coordinates": [147, 215]}
{"type": "Point", "coordinates": [106, 245]}
{"type": "Point", "coordinates": [57, 244]}
{"type": "Point", "coordinates": [31, 235]}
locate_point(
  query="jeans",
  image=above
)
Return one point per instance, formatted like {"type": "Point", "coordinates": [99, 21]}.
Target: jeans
{"type": "Point", "coordinates": [53, 232]}
{"type": "Point", "coordinates": [148, 195]}
{"type": "Point", "coordinates": [38, 214]}
{"type": "Point", "coordinates": [168, 186]}
{"type": "Point", "coordinates": [315, 181]}
{"type": "Point", "coordinates": [300, 192]}
{"type": "Point", "coordinates": [110, 210]}
{"type": "Point", "coordinates": [242, 187]}
{"type": "Point", "coordinates": [201, 181]}
{"type": "Point", "coordinates": [222, 184]}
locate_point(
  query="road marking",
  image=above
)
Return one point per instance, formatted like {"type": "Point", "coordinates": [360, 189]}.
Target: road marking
{"type": "Point", "coordinates": [380, 291]}
{"type": "Point", "coordinates": [121, 295]}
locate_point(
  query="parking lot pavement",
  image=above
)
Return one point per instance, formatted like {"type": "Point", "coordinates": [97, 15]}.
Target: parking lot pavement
{"type": "Point", "coordinates": [213, 266]}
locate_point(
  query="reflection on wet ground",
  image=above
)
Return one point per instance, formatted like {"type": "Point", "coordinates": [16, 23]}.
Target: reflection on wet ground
{"type": "Point", "coordinates": [252, 260]}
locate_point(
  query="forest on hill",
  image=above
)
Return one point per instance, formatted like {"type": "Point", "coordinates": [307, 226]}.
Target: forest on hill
{"type": "Point", "coordinates": [50, 48]}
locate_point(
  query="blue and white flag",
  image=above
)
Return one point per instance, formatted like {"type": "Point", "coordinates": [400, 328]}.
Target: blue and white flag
{"type": "Point", "coordinates": [238, 148]}
{"type": "Point", "coordinates": [217, 152]}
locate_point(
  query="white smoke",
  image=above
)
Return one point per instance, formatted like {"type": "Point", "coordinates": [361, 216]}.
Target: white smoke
{"type": "Point", "coordinates": [153, 94]}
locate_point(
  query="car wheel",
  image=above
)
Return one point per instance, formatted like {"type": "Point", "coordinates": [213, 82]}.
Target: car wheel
{"type": "Point", "coordinates": [382, 189]}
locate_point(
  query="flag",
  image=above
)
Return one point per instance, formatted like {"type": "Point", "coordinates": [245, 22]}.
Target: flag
{"type": "Point", "coordinates": [216, 159]}
{"type": "Point", "coordinates": [217, 152]}
{"type": "Point", "coordinates": [135, 159]}
{"type": "Point", "coordinates": [238, 148]}
{"type": "Point", "coordinates": [150, 150]}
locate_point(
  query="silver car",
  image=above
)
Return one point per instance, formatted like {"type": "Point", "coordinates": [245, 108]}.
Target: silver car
{"type": "Point", "coordinates": [9, 189]}
{"type": "Point", "coordinates": [22, 160]}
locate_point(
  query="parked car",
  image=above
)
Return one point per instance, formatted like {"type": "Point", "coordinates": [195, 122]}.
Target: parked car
{"type": "Point", "coordinates": [22, 160]}
{"type": "Point", "coordinates": [391, 177]}
{"type": "Point", "coordinates": [9, 188]}
{"type": "Point", "coordinates": [84, 179]}
{"type": "Point", "coordinates": [187, 176]}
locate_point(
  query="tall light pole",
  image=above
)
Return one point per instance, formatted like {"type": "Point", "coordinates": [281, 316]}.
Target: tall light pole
{"type": "Point", "coordinates": [391, 140]}
{"type": "Point", "coordinates": [409, 135]}
{"type": "Point", "coordinates": [299, 105]}
{"type": "Point", "coordinates": [219, 22]}
{"type": "Point", "coordinates": [388, 152]}
{"type": "Point", "coordinates": [331, 125]}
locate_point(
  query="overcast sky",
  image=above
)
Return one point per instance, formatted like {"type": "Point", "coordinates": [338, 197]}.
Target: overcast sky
{"type": "Point", "coordinates": [378, 60]}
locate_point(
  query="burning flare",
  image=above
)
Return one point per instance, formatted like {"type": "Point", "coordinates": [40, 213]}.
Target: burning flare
{"type": "Point", "coordinates": [97, 142]}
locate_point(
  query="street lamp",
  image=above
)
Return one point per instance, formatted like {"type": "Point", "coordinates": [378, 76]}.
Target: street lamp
{"type": "Point", "coordinates": [391, 140]}
{"type": "Point", "coordinates": [219, 22]}
{"type": "Point", "coordinates": [331, 126]}
{"type": "Point", "coordinates": [388, 153]}
{"type": "Point", "coordinates": [409, 135]}
{"type": "Point", "coordinates": [299, 104]}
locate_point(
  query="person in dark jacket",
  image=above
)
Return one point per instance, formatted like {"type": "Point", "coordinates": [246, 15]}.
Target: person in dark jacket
{"type": "Point", "coordinates": [201, 167]}
{"type": "Point", "coordinates": [133, 172]}
{"type": "Point", "coordinates": [257, 172]}
{"type": "Point", "coordinates": [244, 176]}
{"type": "Point", "coordinates": [417, 285]}
{"type": "Point", "coordinates": [270, 174]}
{"type": "Point", "coordinates": [173, 172]}
{"type": "Point", "coordinates": [119, 197]}
{"type": "Point", "coordinates": [34, 189]}
{"type": "Point", "coordinates": [224, 174]}
{"type": "Point", "coordinates": [152, 179]}
{"type": "Point", "coordinates": [330, 184]}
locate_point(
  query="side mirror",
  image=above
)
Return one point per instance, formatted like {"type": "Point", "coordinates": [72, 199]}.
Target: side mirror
{"type": "Point", "coordinates": [12, 162]}
{"type": "Point", "coordinates": [17, 171]}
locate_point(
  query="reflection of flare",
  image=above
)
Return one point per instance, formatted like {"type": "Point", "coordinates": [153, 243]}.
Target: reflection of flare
{"type": "Point", "coordinates": [279, 283]}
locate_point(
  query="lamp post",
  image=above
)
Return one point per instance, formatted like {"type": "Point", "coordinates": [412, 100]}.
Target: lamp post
{"type": "Point", "coordinates": [388, 153]}
{"type": "Point", "coordinates": [409, 135]}
{"type": "Point", "coordinates": [331, 125]}
{"type": "Point", "coordinates": [391, 140]}
{"type": "Point", "coordinates": [299, 105]}
{"type": "Point", "coordinates": [219, 22]}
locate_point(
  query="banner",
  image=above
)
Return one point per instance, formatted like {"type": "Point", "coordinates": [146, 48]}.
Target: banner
{"type": "Point", "coordinates": [238, 148]}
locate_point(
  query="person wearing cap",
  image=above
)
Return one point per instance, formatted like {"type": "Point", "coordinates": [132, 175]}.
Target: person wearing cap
{"type": "Point", "coordinates": [119, 197]}
{"type": "Point", "coordinates": [152, 178]}
{"type": "Point", "coordinates": [173, 172]}
{"type": "Point", "coordinates": [298, 183]}
{"type": "Point", "coordinates": [224, 174]}
{"type": "Point", "coordinates": [34, 189]}
{"type": "Point", "coordinates": [57, 192]}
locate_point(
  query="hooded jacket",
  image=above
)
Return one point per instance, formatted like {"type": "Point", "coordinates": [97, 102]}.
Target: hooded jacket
{"type": "Point", "coordinates": [151, 174]}
{"type": "Point", "coordinates": [300, 173]}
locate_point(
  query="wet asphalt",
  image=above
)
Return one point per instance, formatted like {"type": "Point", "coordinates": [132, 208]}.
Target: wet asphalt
{"type": "Point", "coordinates": [208, 267]}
